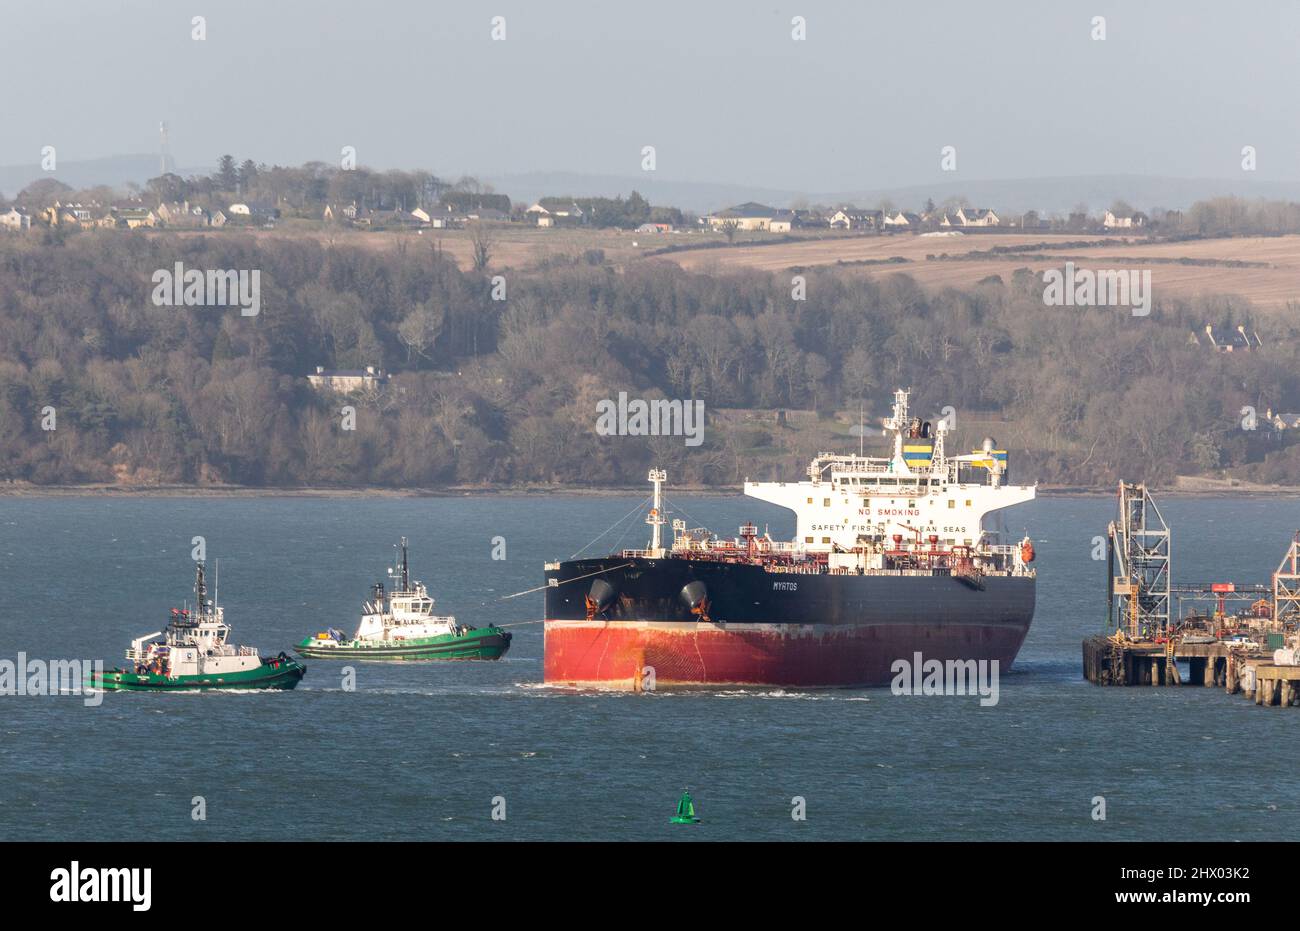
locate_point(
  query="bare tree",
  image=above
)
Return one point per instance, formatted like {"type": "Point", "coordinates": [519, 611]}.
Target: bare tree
{"type": "Point", "coordinates": [420, 330]}
{"type": "Point", "coordinates": [483, 243]}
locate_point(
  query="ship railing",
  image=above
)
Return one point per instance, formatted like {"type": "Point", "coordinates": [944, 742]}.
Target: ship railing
{"type": "Point", "coordinates": [934, 571]}
{"type": "Point", "coordinates": [760, 546]}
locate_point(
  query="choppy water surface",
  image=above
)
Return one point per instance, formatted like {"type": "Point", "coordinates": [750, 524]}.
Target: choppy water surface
{"type": "Point", "coordinates": [420, 751]}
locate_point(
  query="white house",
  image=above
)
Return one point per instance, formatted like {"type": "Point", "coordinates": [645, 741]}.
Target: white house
{"type": "Point", "coordinates": [253, 210]}
{"type": "Point", "coordinates": [748, 216]}
{"type": "Point", "coordinates": [15, 219]}
{"type": "Point", "coordinates": [850, 218]}
{"type": "Point", "coordinates": [1124, 221]}
{"type": "Point", "coordinates": [901, 219]}
{"type": "Point", "coordinates": [781, 222]}
{"type": "Point", "coordinates": [182, 214]}
{"type": "Point", "coordinates": [346, 381]}
{"type": "Point", "coordinates": [977, 216]}
{"type": "Point", "coordinates": [554, 214]}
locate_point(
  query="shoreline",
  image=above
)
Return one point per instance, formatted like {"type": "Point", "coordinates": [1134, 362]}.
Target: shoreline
{"type": "Point", "coordinates": [25, 490]}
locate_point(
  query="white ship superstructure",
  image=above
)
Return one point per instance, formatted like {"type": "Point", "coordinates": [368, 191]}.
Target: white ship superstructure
{"type": "Point", "coordinates": [920, 493]}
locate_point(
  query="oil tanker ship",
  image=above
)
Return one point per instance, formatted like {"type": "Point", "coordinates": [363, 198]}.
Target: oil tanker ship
{"type": "Point", "coordinates": [894, 556]}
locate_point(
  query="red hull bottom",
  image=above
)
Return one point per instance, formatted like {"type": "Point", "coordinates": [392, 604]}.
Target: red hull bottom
{"type": "Point", "coordinates": [620, 655]}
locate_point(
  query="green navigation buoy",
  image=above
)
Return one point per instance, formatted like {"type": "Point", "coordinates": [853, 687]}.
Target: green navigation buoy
{"type": "Point", "coordinates": [685, 810]}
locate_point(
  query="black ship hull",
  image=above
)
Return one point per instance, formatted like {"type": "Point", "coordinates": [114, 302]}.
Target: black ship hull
{"type": "Point", "coordinates": [611, 622]}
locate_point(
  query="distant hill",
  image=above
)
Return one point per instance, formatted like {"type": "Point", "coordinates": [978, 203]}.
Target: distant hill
{"type": "Point", "coordinates": [1060, 195]}
{"type": "Point", "coordinates": [1012, 195]}
{"type": "Point", "coordinates": [696, 196]}
{"type": "Point", "coordinates": [1009, 195]}
{"type": "Point", "coordinates": [114, 170]}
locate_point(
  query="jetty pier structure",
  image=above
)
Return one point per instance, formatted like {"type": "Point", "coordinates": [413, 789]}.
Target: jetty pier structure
{"type": "Point", "coordinates": [1244, 638]}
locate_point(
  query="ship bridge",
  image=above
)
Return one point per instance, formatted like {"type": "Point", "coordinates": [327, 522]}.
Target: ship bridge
{"type": "Point", "coordinates": [918, 492]}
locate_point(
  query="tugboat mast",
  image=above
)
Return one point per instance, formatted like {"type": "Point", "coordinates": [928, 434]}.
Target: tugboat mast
{"type": "Point", "coordinates": [406, 574]}
{"type": "Point", "coordinates": [200, 588]}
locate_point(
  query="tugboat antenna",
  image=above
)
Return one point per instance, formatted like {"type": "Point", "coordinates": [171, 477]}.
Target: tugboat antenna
{"type": "Point", "coordinates": [406, 575]}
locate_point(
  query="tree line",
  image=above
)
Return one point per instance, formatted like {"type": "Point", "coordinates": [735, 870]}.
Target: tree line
{"type": "Point", "coordinates": [503, 392]}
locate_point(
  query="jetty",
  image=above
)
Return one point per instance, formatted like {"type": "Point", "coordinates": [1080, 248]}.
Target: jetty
{"type": "Point", "coordinates": [1244, 639]}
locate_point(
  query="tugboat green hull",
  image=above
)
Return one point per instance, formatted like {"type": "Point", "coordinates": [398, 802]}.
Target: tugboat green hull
{"type": "Point", "coordinates": [486, 644]}
{"type": "Point", "coordinates": [284, 674]}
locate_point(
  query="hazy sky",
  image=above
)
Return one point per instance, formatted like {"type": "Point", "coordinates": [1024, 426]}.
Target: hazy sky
{"type": "Point", "coordinates": [719, 88]}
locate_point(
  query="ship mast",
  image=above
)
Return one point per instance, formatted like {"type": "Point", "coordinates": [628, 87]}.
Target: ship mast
{"type": "Point", "coordinates": [656, 516]}
{"type": "Point", "coordinates": [898, 423]}
{"type": "Point", "coordinates": [406, 575]}
{"type": "Point", "coordinates": [200, 588]}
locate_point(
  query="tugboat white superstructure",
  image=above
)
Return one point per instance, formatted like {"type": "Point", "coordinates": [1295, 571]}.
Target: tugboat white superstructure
{"type": "Point", "coordinates": [401, 625]}
{"type": "Point", "coordinates": [194, 655]}
{"type": "Point", "coordinates": [893, 555]}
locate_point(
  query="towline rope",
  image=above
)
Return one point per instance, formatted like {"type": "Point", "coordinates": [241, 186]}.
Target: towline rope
{"type": "Point", "coordinates": [577, 578]}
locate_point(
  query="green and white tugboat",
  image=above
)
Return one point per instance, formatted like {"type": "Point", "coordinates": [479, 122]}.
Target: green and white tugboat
{"type": "Point", "coordinates": [193, 655]}
{"type": "Point", "coordinates": [400, 625]}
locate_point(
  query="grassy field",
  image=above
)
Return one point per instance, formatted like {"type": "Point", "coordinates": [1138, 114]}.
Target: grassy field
{"type": "Point", "coordinates": [1271, 279]}
{"type": "Point", "coordinates": [512, 245]}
